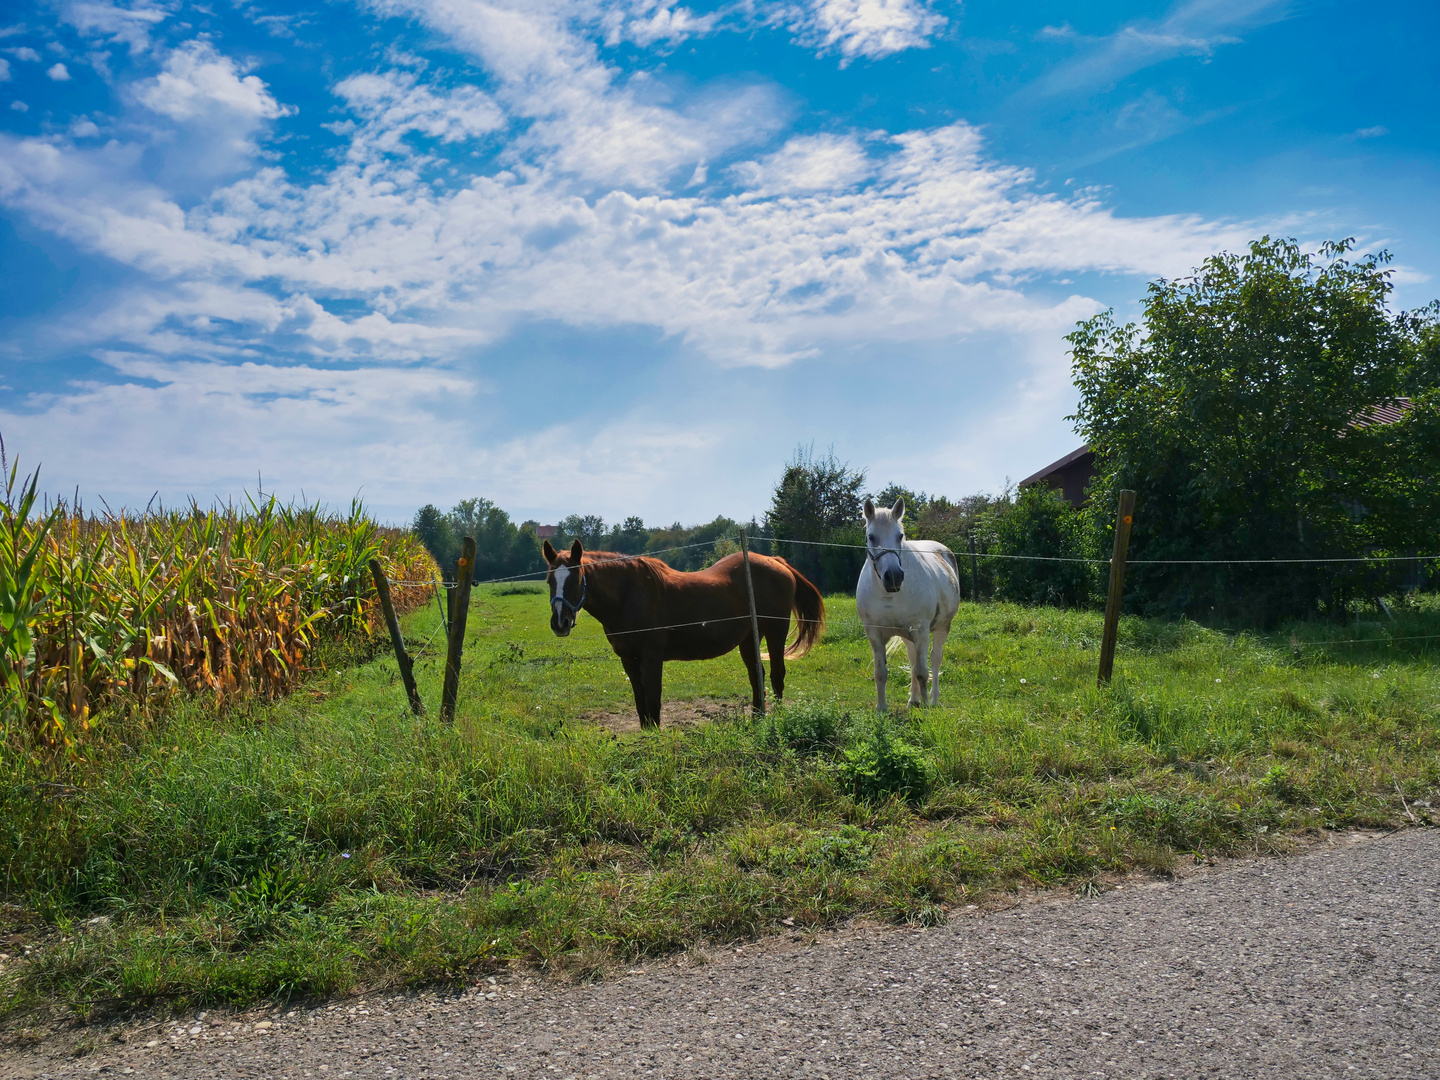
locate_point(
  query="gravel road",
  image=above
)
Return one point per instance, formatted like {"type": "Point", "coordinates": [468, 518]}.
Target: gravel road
{"type": "Point", "coordinates": [1318, 965]}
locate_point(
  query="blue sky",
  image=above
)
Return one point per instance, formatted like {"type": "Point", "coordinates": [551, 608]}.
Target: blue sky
{"type": "Point", "coordinates": [623, 257]}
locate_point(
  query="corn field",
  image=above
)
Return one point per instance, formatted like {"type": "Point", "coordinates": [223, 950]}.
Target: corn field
{"type": "Point", "coordinates": [101, 615]}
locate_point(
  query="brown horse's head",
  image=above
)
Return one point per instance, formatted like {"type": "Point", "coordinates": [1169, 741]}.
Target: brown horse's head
{"type": "Point", "coordinates": [567, 587]}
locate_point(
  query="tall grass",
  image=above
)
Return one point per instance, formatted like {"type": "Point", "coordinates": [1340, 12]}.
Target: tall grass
{"type": "Point", "coordinates": [118, 612]}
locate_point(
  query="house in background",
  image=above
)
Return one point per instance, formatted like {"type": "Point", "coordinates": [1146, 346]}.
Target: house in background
{"type": "Point", "coordinates": [1072, 474]}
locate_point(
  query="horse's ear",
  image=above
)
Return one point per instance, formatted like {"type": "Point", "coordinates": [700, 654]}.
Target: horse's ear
{"type": "Point", "coordinates": [869, 508]}
{"type": "Point", "coordinates": [898, 510]}
{"type": "Point", "coordinates": [577, 551]}
{"type": "Point", "coordinates": [548, 550]}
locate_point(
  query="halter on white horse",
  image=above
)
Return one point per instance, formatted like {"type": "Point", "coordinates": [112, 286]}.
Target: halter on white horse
{"type": "Point", "coordinates": [885, 535]}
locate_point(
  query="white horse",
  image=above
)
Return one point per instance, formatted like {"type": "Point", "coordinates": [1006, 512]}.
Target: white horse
{"type": "Point", "coordinates": [908, 589]}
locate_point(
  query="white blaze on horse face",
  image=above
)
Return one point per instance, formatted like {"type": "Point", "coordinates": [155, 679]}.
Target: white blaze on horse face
{"type": "Point", "coordinates": [557, 610]}
{"type": "Point", "coordinates": [884, 539]}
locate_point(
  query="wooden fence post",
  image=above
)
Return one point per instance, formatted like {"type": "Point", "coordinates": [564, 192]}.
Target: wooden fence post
{"type": "Point", "coordinates": [1124, 515]}
{"type": "Point", "coordinates": [974, 570]}
{"type": "Point", "coordinates": [754, 619]}
{"type": "Point", "coordinates": [407, 672]}
{"type": "Point", "coordinates": [464, 578]}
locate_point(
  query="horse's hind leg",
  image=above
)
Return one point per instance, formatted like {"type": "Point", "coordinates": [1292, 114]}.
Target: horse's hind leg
{"type": "Point", "coordinates": [775, 644]}
{"type": "Point", "coordinates": [937, 656]}
{"type": "Point", "coordinates": [652, 672]}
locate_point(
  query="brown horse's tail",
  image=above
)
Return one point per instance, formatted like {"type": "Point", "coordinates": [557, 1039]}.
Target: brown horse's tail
{"type": "Point", "coordinates": [809, 615]}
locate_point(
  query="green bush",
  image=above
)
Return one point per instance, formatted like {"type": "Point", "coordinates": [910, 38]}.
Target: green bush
{"type": "Point", "coordinates": [1043, 524]}
{"type": "Point", "coordinates": [809, 727]}
{"type": "Point", "coordinates": [880, 763]}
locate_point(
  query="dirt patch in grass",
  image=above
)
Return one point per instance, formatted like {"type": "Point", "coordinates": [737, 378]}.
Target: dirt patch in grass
{"type": "Point", "coordinates": [672, 714]}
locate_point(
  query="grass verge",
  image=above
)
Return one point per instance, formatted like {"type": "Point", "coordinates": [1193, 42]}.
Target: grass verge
{"type": "Point", "coordinates": [332, 841]}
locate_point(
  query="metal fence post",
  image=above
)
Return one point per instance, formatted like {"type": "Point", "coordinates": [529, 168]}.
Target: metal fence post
{"type": "Point", "coordinates": [754, 619]}
{"type": "Point", "coordinates": [1124, 515]}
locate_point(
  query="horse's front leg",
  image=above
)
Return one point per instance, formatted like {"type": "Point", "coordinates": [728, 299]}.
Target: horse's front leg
{"type": "Point", "coordinates": [918, 649]}
{"type": "Point", "coordinates": [634, 671]}
{"type": "Point", "coordinates": [882, 669]}
{"type": "Point", "coordinates": [652, 668]}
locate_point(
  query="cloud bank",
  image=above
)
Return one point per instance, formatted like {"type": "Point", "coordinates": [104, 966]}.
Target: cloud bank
{"type": "Point", "coordinates": [264, 304]}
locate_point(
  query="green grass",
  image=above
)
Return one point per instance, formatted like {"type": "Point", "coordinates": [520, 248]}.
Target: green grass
{"type": "Point", "coordinates": [332, 841]}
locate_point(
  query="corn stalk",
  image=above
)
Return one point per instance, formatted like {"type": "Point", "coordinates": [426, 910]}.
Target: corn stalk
{"type": "Point", "coordinates": [120, 612]}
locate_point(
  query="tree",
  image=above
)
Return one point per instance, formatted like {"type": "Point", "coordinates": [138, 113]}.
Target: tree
{"type": "Point", "coordinates": [818, 501]}
{"type": "Point", "coordinates": [501, 549]}
{"type": "Point", "coordinates": [434, 530]}
{"type": "Point", "coordinates": [1041, 523]}
{"type": "Point", "coordinates": [1233, 414]}
{"type": "Point", "coordinates": [630, 538]}
{"type": "Point", "coordinates": [589, 530]}
{"type": "Point", "coordinates": [915, 501]}
{"type": "Point", "coordinates": [693, 548]}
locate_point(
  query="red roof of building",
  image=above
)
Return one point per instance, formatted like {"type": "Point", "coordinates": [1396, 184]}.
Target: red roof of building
{"type": "Point", "coordinates": [1385, 413]}
{"type": "Point", "coordinates": [1055, 466]}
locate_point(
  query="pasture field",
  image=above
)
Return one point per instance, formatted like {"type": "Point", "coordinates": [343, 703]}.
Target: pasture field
{"type": "Point", "coordinates": [331, 841]}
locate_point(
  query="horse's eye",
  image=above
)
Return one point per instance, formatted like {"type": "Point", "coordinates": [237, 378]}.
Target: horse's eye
{"type": "Point", "coordinates": [872, 538]}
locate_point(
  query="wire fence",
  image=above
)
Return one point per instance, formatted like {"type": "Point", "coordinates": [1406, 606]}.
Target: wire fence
{"type": "Point", "coordinates": [914, 631]}
{"type": "Point", "coordinates": [537, 574]}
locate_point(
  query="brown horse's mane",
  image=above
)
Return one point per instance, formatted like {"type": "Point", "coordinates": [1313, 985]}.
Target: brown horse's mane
{"type": "Point", "coordinates": [644, 563]}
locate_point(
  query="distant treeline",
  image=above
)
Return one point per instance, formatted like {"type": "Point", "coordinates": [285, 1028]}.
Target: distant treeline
{"type": "Point", "coordinates": [504, 548]}
{"type": "Point", "coordinates": [815, 521]}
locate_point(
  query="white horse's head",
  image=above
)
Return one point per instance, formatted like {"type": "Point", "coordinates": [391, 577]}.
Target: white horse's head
{"type": "Point", "coordinates": [884, 536]}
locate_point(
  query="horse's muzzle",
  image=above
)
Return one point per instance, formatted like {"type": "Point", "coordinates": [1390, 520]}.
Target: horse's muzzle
{"type": "Point", "coordinates": [893, 579]}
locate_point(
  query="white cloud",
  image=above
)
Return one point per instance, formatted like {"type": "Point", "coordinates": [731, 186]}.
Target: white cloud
{"type": "Point", "coordinates": [393, 105]}
{"type": "Point", "coordinates": [227, 422]}
{"type": "Point", "coordinates": [5, 75]}
{"type": "Point", "coordinates": [868, 28]}
{"type": "Point", "coordinates": [111, 22]}
{"type": "Point", "coordinates": [19, 106]}
{"type": "Point", "coordinates": [585, 118]}
{"type": "Point", "coordinates": [1371, 132]}
{"type": "Point", "coordinates": [1192, 28]}
{"type": "Point", "coordinates": [24, 52]}
{"type": "Point", "coordinates": [807, 163]}
{"type": "Point", "coordinates": [202, 420]}
{"type": "Point", "coordinates": [937, 243]}
{"type": "Point", "coordinates": [648, 22]}
{"type": "Point", "coordinates": [59, 73]}
{"type": "Point", "coordinates": [197, 80]}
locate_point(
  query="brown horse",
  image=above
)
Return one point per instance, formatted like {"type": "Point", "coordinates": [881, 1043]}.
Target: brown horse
{"type": "Point", "coordinates": [651, 613]}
